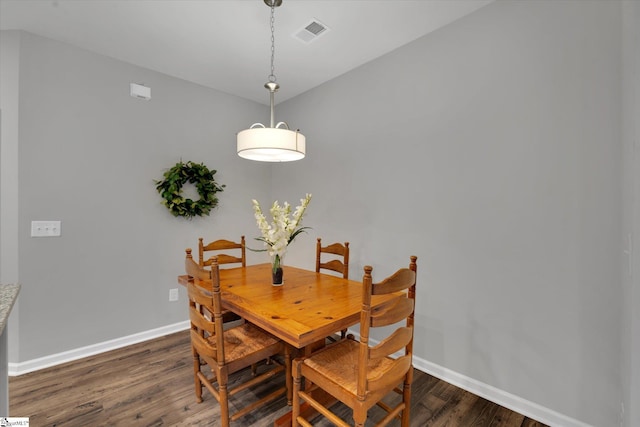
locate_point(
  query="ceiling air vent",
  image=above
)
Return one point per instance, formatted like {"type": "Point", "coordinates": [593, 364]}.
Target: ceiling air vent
{"type": "Point", "coordinates": [310, 32]}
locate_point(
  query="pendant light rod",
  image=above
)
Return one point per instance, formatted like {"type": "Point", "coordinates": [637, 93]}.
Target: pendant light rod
{"type": "Point", "coordinates": [272, 87]}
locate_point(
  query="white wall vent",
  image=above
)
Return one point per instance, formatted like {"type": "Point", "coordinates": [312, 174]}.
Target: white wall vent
{"type": "Point", "coordinates": [311, 31]}
{"type": "Point", "coordinates": [140, 91]}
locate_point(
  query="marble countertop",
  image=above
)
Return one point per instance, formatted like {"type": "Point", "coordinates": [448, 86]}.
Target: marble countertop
{"type": "Point", "coordinates": [8, 295]}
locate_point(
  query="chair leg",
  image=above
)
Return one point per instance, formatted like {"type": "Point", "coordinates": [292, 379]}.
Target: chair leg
{"type": "Point", "coordinates": [295, 412]}
{"type": "Point", "coordinates": [359, 416]}
{"type": "Point", "coordinates": [406, 398]}
{"type": "Point", "coordinates": [196, 370]}
{"type": "Point", "coordinates": [223, 380]}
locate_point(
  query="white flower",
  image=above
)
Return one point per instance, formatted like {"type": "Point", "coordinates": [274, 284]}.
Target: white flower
{"type": "Point", "coordinates": [283, 228]}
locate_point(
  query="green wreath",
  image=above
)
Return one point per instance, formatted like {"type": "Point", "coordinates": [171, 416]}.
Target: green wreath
{"type": "Point", "coordinates": [198, 174]}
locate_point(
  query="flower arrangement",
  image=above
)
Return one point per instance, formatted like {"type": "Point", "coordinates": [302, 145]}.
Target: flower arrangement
{"type": "Point", "coordinates": [283, 228]}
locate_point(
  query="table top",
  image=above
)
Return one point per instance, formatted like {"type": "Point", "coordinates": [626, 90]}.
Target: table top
{"type": "Point", "coordinates": [306, 308]}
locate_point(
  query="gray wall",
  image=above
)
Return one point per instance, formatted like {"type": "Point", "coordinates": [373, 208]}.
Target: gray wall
{"type": "Point", "coordinates": [9, 214]}
{"type": "Point", "coordinates": [631, 212]}
{"type": "Point", "coordinates": [88, 156]}
{"type": "Point", "coordinates": [492, 150]}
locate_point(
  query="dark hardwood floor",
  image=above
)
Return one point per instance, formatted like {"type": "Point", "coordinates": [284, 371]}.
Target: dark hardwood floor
{"type": "Point", "coordinates": [151, 384]}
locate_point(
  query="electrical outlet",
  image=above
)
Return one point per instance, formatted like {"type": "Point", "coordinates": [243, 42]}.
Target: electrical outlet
{"type": "Point", "coordinates": [173, 294]}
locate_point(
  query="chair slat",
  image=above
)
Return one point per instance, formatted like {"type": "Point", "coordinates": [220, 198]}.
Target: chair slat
{"type": "Point", "coordinates": [221, 245]}
{"type": "Point", "coordinates": [202, 346]}
{"type": "Point", "coordinates": [334, 265]}
{"type": "Point", "coordinates": [393, 376]}
{"type": "Point", "coordinates": [336, 249]}
{"type": "Point", "coordinates": [200, 295]}
{"type": "Point", "coordinates": [391, 313]}
{"type": "Point", "coordinates": [201, 322]}
{"type": "Point", "coordinates": [401, 279]}
{"type": "Point", "coordinates": [394, 342]}
{"type": "Point", "coordinates": [224, 259]}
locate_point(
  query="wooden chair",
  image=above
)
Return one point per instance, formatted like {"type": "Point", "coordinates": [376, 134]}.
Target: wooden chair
{"type": "Point", "coordinates": [337, 251]}
{"type": "Point", "coordinates": [231, 350]}
{"type": "Point", "coordinates": [335, 264]}
{"type": "Point", "coordinates": [223, 258]}
{"type": "Point", "coordinates": [359, 375]}
{"type": "Point", "coordinates": [217, 246]}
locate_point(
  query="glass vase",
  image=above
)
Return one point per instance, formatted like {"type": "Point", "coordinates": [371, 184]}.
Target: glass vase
{"type": "Point", "coordinates": [277, 276]}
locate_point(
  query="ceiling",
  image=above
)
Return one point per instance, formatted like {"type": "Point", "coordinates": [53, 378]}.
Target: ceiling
{"type": "Point", "coordinates": [226, 44]}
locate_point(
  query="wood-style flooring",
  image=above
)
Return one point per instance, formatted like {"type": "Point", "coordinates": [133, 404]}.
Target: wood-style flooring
{"type": "Point", "coordinates": [151, 384]}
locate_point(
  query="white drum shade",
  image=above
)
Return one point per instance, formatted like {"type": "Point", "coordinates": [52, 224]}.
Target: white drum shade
{"type": "Point", "coordinates": [271, 144]}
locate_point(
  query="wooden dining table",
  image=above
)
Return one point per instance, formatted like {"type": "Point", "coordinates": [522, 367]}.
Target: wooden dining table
{"type": "Point", "coordinates": [303, 311]}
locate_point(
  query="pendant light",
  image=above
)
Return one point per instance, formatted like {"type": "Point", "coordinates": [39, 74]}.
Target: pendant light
{"type": "Point", "coordinates": [276, 143]}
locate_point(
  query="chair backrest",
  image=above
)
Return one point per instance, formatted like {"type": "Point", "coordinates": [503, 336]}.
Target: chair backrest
{"type": "Point", "coordinates": [395, 311]}
{"type": "Point", "coordinates": [205, 309]}
{"type": "Point", "coordinates": [223, 258]}
{"type": "Point", "coordinates": [335, 264]}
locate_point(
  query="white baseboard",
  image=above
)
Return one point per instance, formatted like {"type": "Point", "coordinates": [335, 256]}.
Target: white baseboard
{"type": "Point", "coordinates": [493, 394]}
{"type": "Point", "coordinates": [68, 356]}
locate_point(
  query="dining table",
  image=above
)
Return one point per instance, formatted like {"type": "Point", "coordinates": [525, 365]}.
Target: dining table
{"type": "Point", "coordinates": [303, 311]}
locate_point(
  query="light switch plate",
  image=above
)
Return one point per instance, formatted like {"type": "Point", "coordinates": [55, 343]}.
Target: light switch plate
{"type": "Point", "coordinates": [45, 228]}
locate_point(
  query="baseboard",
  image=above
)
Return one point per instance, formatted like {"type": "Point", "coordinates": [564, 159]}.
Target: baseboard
{"type": "Point", "coordinates": [71, 355]}
{"type": "Point", "coordinates": [495, 395]}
